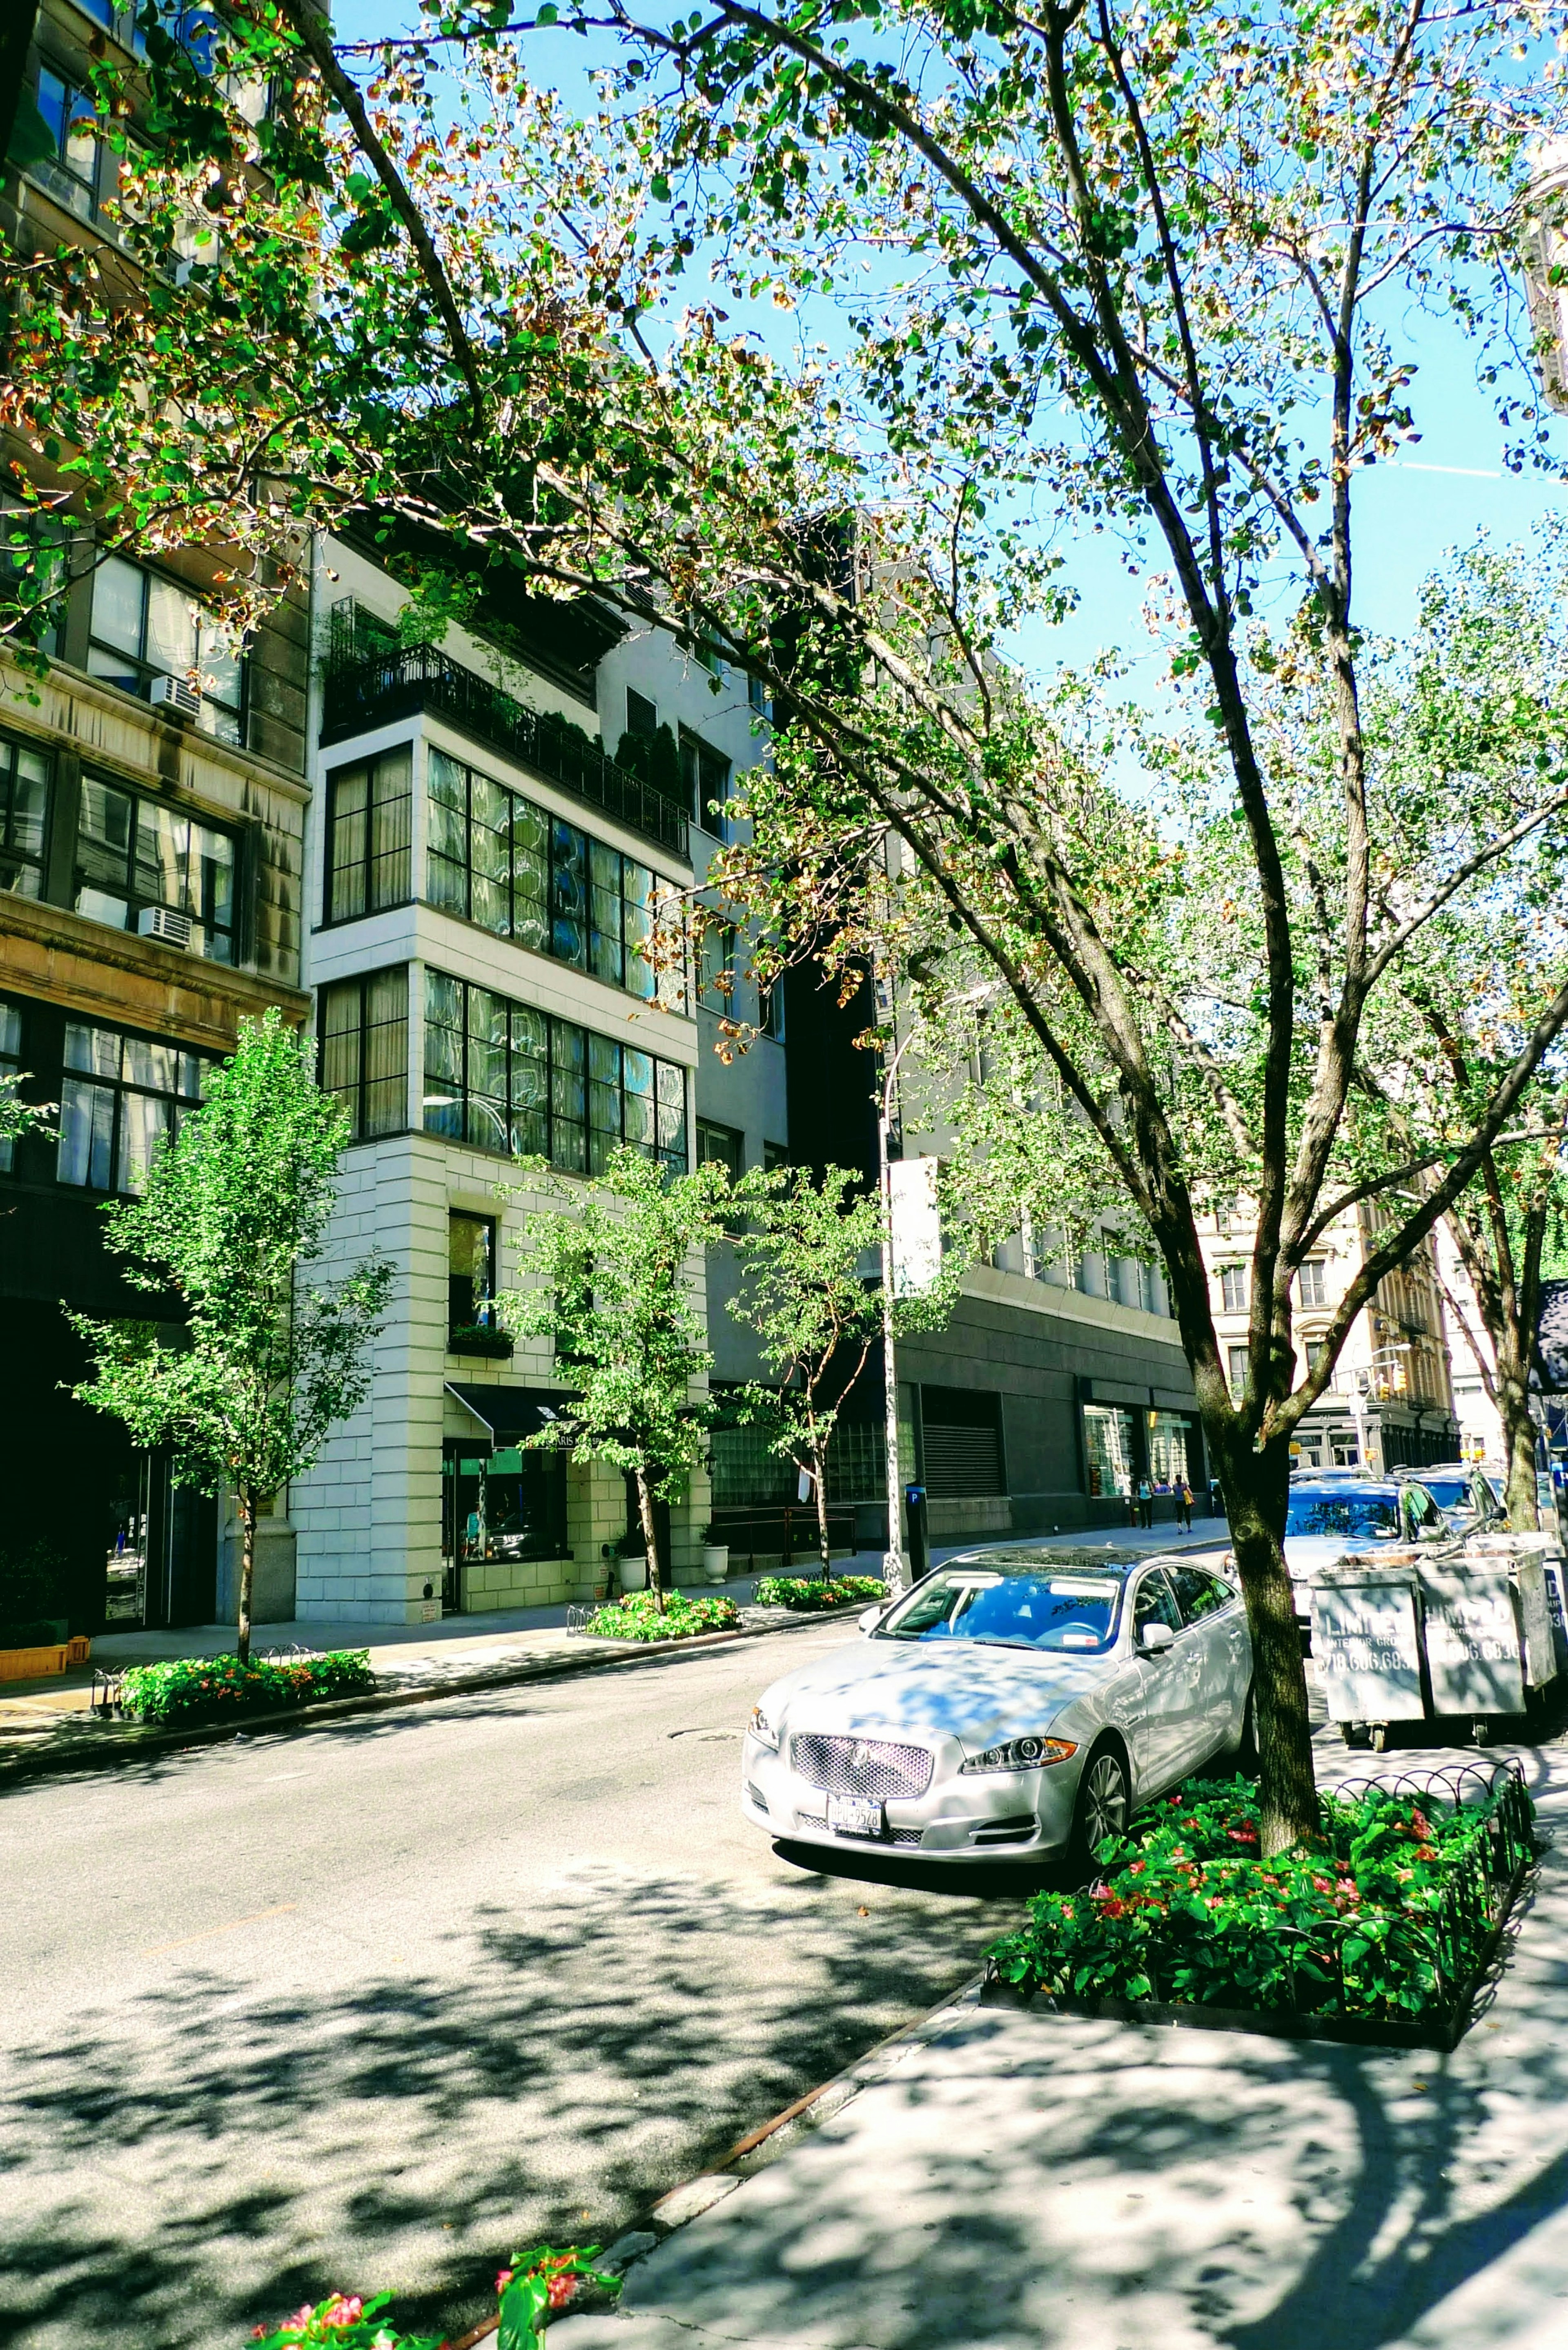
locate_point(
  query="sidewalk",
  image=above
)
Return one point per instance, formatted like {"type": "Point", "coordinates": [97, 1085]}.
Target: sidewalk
{"type": "Point", "coordinates": [1009, 2181]}
{"type": "Point", "coordinates": [411, 1660]}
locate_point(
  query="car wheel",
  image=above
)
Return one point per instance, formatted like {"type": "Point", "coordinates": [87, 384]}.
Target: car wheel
{"type": "Point", "coordinates": [1104, 1805]}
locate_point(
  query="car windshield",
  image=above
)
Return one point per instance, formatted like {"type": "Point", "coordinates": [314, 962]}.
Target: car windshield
{"type": "Point", "coordinates": [1449, 1492]}
{"type": "Point", "coordinates": [1339, 1512]}
{"type": "Point", "coordinates": [1051, 1609]}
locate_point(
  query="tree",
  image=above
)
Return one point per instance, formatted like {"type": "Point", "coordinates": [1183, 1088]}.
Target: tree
{"type": "Point", "coordinates": [610, 1283]}
{"type": "Point", "coordinates": [806, 1294]}
{"type": "Point", "coordinates": [232, 1217]}
{"type": "Point", "coordinates": [1079, 271]}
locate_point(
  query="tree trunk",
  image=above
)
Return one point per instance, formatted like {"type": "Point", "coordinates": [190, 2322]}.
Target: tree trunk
{"type": "Point", "coordinates": [1255, 1486]}
{"type": "Point", "coordinates": [246, 1501]}
{"type": "Point", "coordinates": [650, 1539]}
{"type": "Point", "coordinates": [819, 1491]}
{"type": "Point", "coordinates": [1518, 1443]}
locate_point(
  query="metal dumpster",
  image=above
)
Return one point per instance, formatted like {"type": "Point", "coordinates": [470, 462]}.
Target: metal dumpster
{"type": "Point", "coordinates": [1366, 1646]}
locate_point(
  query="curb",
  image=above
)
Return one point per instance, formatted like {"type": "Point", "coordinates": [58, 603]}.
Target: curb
{"type": "Point", "coordinates": [131, 1745]}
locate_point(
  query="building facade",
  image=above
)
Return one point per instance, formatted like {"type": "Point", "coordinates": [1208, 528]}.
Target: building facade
{"type": "Point", "coordinates": [1390, 1403]}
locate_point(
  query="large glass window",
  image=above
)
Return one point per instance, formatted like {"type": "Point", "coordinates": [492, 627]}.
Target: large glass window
{"type": "Point", "coordinates": [120, 1098]}
{"type": "Point", "coordinates": [509, 1077]}
{"type": "Point", "coordinates": [498, 860]}
{"type": "Point", "coordinates": [24, 815]}
{"type": "Point", "coordinates": [1108, 1449]}
{"type": "Point", "coordinates": [369, 832]}
{"type": "Point", "coordinates": [365, 1050]}
{"type": "Point", "coordinates": [134, 853]}
{"type": "Point", "coordinates": [79, 170]}
{"type": "Point", "coordinates": [146, 628]}
{"type": "Point", "coordinates": [1167, 1449]}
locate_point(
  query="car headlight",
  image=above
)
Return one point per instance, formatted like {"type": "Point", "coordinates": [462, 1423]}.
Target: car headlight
{"type": "Point", "coordinates": [1022, 1754]}
{"type": "Point", "coordinates": [761, 1729]}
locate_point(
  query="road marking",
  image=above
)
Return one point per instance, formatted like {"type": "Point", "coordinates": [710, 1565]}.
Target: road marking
{"type": "Point", "coordinates": [231, 1928]}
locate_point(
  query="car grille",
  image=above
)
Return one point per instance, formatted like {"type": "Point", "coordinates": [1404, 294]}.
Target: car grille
{"type": "Point", "coordinates": [861, 1766]}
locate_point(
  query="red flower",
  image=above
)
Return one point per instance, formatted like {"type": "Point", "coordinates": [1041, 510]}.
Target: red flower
{"type": "Point", "coordinates": [561, 2290]}
{"type": "Point", "coordinates": [503, 2279]}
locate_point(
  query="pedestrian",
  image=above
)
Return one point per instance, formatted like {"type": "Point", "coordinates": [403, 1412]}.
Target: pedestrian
{"type": "Point", "coordinates": [1184, 1503]}
{"type": "Point", "coordinates": [1145, 1503]}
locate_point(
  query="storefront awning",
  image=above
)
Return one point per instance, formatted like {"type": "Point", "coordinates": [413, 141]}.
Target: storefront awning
{"type": "Point", "coordinates": [509, 1413]}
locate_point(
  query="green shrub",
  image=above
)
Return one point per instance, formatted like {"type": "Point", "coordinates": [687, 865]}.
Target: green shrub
{"type": "Point", "coordinates": [804, 1592]}
{"type": "Point", "coordinates": [1384, 1916]}
{"type": "Point", "coordinates": [43, 1632]}
{"type": "Point", "coordinates": [636, 1617]}
{"type": "Point", "coordinates": [210, 1689]}
{"type": "Point", "coordinates": [342, 2322]}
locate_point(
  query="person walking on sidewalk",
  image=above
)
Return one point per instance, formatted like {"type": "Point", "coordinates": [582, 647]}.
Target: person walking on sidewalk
{"type": "Point", "coordinates": [1145, 1503]}
{"type": "Point", "coordinates": [1184, 1503]}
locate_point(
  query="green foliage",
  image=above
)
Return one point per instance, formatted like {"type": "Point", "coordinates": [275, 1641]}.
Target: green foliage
{"type": "Point", "coordinates": [32, 1582]}
{"type": "Point", "coordinates": [1383, 1914]}
{"type": "Point", "coordinates": [342, 2322]}
{"type": "Point", "coordinates": [640, 1617]}
{"type": "Point", "coordinates": [212, 1689]}
{"type": "Point", "coordinates": [807, 1593]}
{"type": "Point", "coordinates": [40, 1631]}
{"type": "Point", "coordinates": [233, 1212]}
{"type": "Point", "coordinates": [540, 2284]}
{"type": "Point", "coordinates": [655, 760]}
{"type": "Point", "coordinates": [611, 1273]}
{"type": "Point", "coordinates": [16, 1116]}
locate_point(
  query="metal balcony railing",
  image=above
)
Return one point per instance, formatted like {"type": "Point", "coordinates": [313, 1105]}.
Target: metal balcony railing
{"type": "Point", "coordinates": [366, 692]}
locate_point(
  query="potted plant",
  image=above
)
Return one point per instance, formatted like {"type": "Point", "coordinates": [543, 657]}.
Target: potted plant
{"type": "Point", "coordinates": [715, 1555]}
{"type": "Point", "coordinates": [631, 1564]}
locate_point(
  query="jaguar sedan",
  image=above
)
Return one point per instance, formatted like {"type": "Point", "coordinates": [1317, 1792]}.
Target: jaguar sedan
{"type": "Point", "coordinates": [1016, 1703]}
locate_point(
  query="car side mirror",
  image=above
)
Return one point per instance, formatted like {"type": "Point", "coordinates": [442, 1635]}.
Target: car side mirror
{"type": "Point", "coordinates": [1155, 1638]}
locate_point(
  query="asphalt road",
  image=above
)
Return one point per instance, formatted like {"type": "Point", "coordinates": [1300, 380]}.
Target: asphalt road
{"type": "Point", "coordinates": [371, 2005]}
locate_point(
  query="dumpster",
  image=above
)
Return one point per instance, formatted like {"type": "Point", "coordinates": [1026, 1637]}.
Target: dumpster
{"type": "Point", "coordinates": [1474, 1638]}
{"type": "Point", "coordinates": [1366, 1646]}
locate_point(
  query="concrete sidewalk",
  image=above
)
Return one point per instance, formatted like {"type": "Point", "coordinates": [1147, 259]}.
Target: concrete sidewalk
{"type": "Point", "coordinates": [1029, 2182]}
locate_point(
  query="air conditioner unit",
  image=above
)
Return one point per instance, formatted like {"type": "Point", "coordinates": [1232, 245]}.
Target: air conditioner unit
{"type": "Point", "coordinates": [174, 929]}
{"type": "Point", "coordinates": [176, 693]}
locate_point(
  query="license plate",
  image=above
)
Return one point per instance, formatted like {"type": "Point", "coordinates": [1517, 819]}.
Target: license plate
{"type": "Point", "coordinates": [855, 1816]}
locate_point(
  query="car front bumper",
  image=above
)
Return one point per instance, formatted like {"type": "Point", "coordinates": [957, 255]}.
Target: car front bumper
{"type": "Point", "coordinates": [980, 1816]}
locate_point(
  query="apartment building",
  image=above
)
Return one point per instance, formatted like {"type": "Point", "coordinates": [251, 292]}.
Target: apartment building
{"type": "Point", "coordinates": [152, 801]}
{"type": "Point", "coordinates": [1391, 1402]}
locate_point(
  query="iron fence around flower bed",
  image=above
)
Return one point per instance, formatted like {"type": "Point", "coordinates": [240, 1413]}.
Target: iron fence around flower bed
{"type": "Point", "coordinates": [1381, 1930]}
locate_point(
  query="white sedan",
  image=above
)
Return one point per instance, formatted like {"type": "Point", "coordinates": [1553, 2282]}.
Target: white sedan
{"type": "Point", "coordinates": [1019, 1702]}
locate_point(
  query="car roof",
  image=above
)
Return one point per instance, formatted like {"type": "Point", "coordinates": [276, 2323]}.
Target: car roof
{"type": "Point", "coordinates": [1357, 1482]}
{"type": "Point", "coordinates": [1029, 1559]}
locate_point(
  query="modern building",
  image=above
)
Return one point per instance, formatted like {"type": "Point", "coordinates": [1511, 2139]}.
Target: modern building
{"type": "Point", "coordinates": [1390, 1403]}
{"type": "Point", "coordinates": [152, 801]}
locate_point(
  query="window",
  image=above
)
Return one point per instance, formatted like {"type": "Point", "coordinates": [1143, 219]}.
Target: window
{"type": "Point", "coordinates": [757, 696]}
{"type": "Point", "coordinates": [1233, 1288]}
{"type": "Point", "coordinates": [509, 1077]}
{"type": "Point", "coordinates": [133, 853]}
{"type": "Point", "coordinates": [120, 1098]}
{"type": "Point", "coordinates": [470, 1270]}
{"type": "Point", "coordinates": [1198, 1593]}
{"type": "Point", "coordinates": [369, 834]}
{"type": "Point", "coordinates": [497, 860]}
{"type": "Point", "coordinates": [1167, 1449]}
{"type": "Point", "coordinates": [1108, 1448]}
{"type": "Point", "coordinates": [1309, 1282]}
{"type": "Point", "coordinates": [1155, 1603]}
{"type": "Point", "coordinates": [34, 566]}
{"type": "Point", "coordinates": [641, 715]}
{"type": "Point", "coordinates": [1236, 1369]}
{"type": "Point", "coordinates": [771, 1011]}
{"type": "Point", "coordinates": [1135, 1284]}
{"type": "Point", "coordinates": [1315, 1350]}
{"type": "Point", "coordinates": [706, 775]}
{"type": "Point", "coordinates": [24, 811]}
{"type": "Point", "coordinates": [716, 968]}
{"type": "Point", "coordinates": [365, 1050]}
{"type": "Point", "coordinates": [774, 1154]}
{"type": "Point", "coordinates": [10, 1066]}
{"type": "Point", "coordinates": [724, 1143]}
{"type": "Point", "coordinates": [145, 628]}
{"type": "Point", "coordinates": [77, 170]}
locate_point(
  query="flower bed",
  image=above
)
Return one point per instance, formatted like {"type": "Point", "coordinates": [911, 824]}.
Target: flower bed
{"type": "Point", "coordinates": [1377, 1927]}
{"type": "Point", "coordinates": [212, 1689]}
{"type": "Point", "coordinates": [538, 2285]}
{"type": "Point", "coordinates": [638, 1617]}
{"type": "Point", "coordinates": [809, 1593]}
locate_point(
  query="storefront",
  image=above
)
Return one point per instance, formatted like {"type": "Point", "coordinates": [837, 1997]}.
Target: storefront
{"type": "Point", "coordinates": [503, 1501]}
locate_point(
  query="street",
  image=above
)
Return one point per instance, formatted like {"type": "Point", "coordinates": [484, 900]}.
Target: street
{"type": "Point", "coordinates": [368, 2007]}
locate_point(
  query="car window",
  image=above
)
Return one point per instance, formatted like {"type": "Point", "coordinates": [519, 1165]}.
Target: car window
{"type": "Point", "coordinates": [1060, 1610]}
{"type": "Point", "coordinates": [1339, 1512]}
{"type": "Point", "coordinates": [1199, 1593]}
{"type": "Point", "coordinates": [1450, 1492]}
{"type": "Point", "coordinates": [1424, 1512]}
{"type": "Point", "coordinates": [1155, 1602]}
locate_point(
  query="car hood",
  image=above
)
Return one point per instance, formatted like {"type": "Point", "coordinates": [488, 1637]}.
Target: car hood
{"type": "Point", "coordinates": [921, 1689]}
{"type": "Point", "coordinates": [1308, 1555]}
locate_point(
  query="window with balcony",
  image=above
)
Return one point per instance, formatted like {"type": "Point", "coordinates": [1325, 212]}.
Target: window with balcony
{"type": "Point", "coordinates": [508, 1077]}
{"type": "Point", "coordinates": [496, 860]}
{"type": "Point", "coordinates": [365, 1050]}
{"type": "Point", "coordinates": [1233, 1288]}
{"type": "Point", "coordinates": [144, 866]}
{"type": "Point", "coordinates": [23, 816]}
{"type": "Point", "coordinates": [369, 836]}
{"type": "Point", "coordinates": [120, 1096]}
{"type": "Point", "coordinates": [151, 638]}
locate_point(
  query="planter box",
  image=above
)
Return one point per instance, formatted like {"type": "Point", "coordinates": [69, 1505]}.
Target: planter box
{"type": "Point", "coordinates": [33, 1664]}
